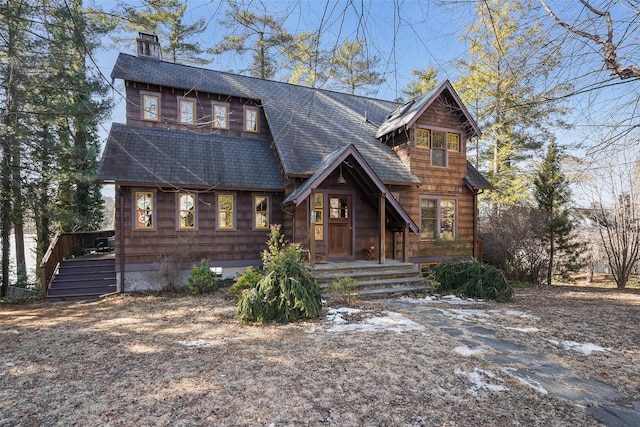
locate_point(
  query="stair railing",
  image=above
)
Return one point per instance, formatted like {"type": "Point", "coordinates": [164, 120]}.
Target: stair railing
{"type": "Point", "coordinates": [66, 245]}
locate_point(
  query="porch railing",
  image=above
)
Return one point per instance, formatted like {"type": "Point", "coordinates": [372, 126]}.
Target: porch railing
{"type": "Point", "coordinates": [71, 244]}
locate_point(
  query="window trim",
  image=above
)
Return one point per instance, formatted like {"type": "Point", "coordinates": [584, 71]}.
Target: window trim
{"type": "Point", "coordinates": [428, 138]}
{"type": "Point", "coordinates": [233, 212]}
{"type": "Point", "coordinates": [134, 210]}
{"type": "Point", "coordinates": [182, 100]}
{"type": "Point", "coordinates": [439, 218]}
{"type": "Point", "coordinates": [179, 210]}
{"type": "Point", "coordinates": [456, 150]}
{"type": "Point", "coordinates": [255, 212]}
{"type": "Point", "coordinates": [213, 111]}
{"type": "Point", "coordinates": [248, 110]}
{"type": "Point", "coordinates": [143, 110]}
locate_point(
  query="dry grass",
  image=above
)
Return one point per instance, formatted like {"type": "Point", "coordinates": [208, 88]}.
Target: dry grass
{"type": "Point", "coordinates": [166, 360]}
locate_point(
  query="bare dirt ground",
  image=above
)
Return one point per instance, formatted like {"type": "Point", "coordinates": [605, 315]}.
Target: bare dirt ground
{"type": "Point", "coordinates": [185, 361]}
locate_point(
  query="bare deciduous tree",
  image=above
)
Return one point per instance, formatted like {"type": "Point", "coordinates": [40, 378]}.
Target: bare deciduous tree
{"type": "Point", "coordinates": [606, 42]}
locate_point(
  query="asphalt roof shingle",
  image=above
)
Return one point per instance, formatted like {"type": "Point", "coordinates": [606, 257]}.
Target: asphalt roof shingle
{"type": "Point", "coordinates": [306, 124]}
{"type": "Point", "coordinates": [172, 157]}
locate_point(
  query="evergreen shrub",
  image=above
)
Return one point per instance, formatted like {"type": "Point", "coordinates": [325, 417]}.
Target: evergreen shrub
{"type": "Point", "coordinates": [202, 279]}
{"type": "Point", "coordinates": [286, 292]}
{"type": "Point", "coordinates": [473, 279]}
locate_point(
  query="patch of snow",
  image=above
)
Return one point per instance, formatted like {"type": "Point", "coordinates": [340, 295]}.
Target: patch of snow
{"type": "Point", "coordinates": [584, 348]}
{"type": "Point", "coordinates": [521, 314]}
{"type": "Point", "coordinates": [479, 379]}
{"type": "Point", "coordinates": [526, 330]}
{"type": "Point", "coordinates": [334, 315]}
{"type": "Point", "coordinates": [389, 322]}
{"type": "Point", "coordinates": [465, 350]}
{"type": "Point", "coordinates": [452, 299]}
{"type": "Point", "coordinates": [526, 381]}
{"type": "Point", "coordinates": [194, 344]}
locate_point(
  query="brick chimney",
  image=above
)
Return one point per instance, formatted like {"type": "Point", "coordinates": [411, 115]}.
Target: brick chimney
{"type": "Point", "coordinates": [148, 45]}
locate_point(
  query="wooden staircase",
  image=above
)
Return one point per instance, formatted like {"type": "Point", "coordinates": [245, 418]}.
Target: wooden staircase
{"type": "Point", "coordinates": [372, 280]}
{"type": "Point", "coordinates": [83, 278]}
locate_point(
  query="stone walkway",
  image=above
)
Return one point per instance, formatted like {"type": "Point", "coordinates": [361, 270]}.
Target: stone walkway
{"type": "Point", "coordinates": [535, 369]}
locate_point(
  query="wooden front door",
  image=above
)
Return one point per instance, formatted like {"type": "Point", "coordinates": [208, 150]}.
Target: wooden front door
{"type": "Point", "coordinates": [340, 224]}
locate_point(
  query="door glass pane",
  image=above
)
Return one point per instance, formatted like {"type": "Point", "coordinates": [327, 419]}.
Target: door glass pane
{"type": "Point", "coordinates": [339, 208]}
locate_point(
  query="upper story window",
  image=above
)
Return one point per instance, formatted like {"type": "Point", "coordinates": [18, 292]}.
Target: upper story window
{"type": "Point", "coordinates": [453, 142]}
{"type": "Point", "coordinates": [437, 219]}
{"type": "Point", "coordinates": [423, 137]}
{"type": "Point", "coordinates": [439, 142]}
{"type": "Point", "coordinates": [439, 149]}
{"type": "Point", "coordinates": [187, 111]}
{"type": "Point", "coordinates": [261, 212]}
{"type": "Point", "coordinates": [150, 107]}
{"type": "Point", "coordinates": [226, 211]}
{"type": "Point", "coordinates": [144, 210]}
{"type": "Point", "coordinates": [220, 116]}
{"type": "Point", "coordinates": [251, 119]}
{"type": "Point", "coordinates": [186, 211]}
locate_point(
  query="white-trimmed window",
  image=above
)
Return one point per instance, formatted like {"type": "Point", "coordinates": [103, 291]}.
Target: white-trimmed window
{"type": "Point", "coordinates": [150, 107]}
{"type": "Point", "coordinates": [226, 212]}
{"type": "Point", "coordinates": [187, 111]}
{"type": "Point", "coordinates": [261, 212]}
{"type": "Point", "coordinates": [144, 210]}
{"type": "Point", "coordinates": [438, 218]}
{"type": "Point", "coordinates": [251, 119]}
{"type": "Point", "coordinates": [220, 116]}
{"type": "Point", "coordinates": [186, 211]}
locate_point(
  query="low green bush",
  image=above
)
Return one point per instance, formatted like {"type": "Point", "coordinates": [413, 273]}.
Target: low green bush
{"type": "Point", "coordinates": [473, 279]}
{"type": "Point", "coordinates": [248, 280]}
{"type": "Point", "coordinates": [202, 279]}
{"type": "Point", "coordinates": [286, 292]}
{"type": "Point", "coordinates": [344, 287]}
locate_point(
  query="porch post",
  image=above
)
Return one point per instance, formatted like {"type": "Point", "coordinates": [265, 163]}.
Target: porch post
{"type": "Point", "coordinates": [405, 244]}
{"type": "Point", "coordinates": [383, 221]}
{"type": "Point", "coordinates": [311, 231]}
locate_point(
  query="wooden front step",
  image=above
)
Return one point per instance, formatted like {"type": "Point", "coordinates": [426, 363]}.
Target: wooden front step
{"type": "Point", "coordinates": [83, 278]}
{"type": "Point", "coordinates": [372, 280]}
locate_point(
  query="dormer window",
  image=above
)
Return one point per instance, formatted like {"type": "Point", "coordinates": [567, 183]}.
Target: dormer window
{"type": "Point", "coordinates": [220, 116]}
{"type": "Point", "coordinates": [439, 142]}
{"type": "Point", "coordinates": [150, 107]}
{"type": "Point", "coordinates": [187, 111]}
{"type": "Point", "coordinates": [251, 119]}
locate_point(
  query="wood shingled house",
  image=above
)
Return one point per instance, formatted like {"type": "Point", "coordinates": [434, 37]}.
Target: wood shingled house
{"type": "Point", "coordinates": [207, 160]}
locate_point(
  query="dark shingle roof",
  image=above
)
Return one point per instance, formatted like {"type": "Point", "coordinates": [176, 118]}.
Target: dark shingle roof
{"type": "Point", "coordinates": [306, 124]}
{"type": "Point", "coordinates": [474, 179]}
{"type": "Point", "coordinates": [154, 155]}
{"type": "Point", "coordinates": [408, 113]}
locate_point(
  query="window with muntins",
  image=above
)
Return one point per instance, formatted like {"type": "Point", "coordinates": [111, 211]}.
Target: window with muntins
{"type": "Point", "coordinates": [187, 111]}
{"type": "Point", "coordinates": [143, 210]}
{"type": "Point", "coordinates": [150, 107]}
{"type": "Point", "coordinates": [220, 116]}
{"type": "Point", "coordinates": [423, 137]}
{"type": "Point", "coordinates": [437, 219]}
{"type": "Point", "coordinates": [225, 212]}
{"type": "Point", "coordinates": [251, 120]}
{"type": "Point", "coordinates": [453, 142]}
{"type": "Point", "coordinates": [186, 211]}
{"type": "Point", "coordinates": [261, 212]}
{"type": "Point", "coordinates": [439, 148]}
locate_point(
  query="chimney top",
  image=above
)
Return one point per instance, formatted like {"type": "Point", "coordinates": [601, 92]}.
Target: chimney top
{"type": "Point", "coordinates": [148, 45]}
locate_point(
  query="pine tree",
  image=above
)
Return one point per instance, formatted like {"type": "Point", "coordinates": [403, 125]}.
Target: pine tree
{"type": "Point", "coordinates": [504, 89]}
{"type": "Point", "coordinates": [353, 69]}
{"type": "Point", "coordinates": [261, 35]}
{"type": "Point", "coordinates": [425, 82]}
{"type": "Point", "coordinates": [80, 106]}
{"type": "Point", "coordinates": [166, 19]}
{"type": "Point", "coordinates": [552, 194]}
{"type": "Point", "coordinates": [306, 61]}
